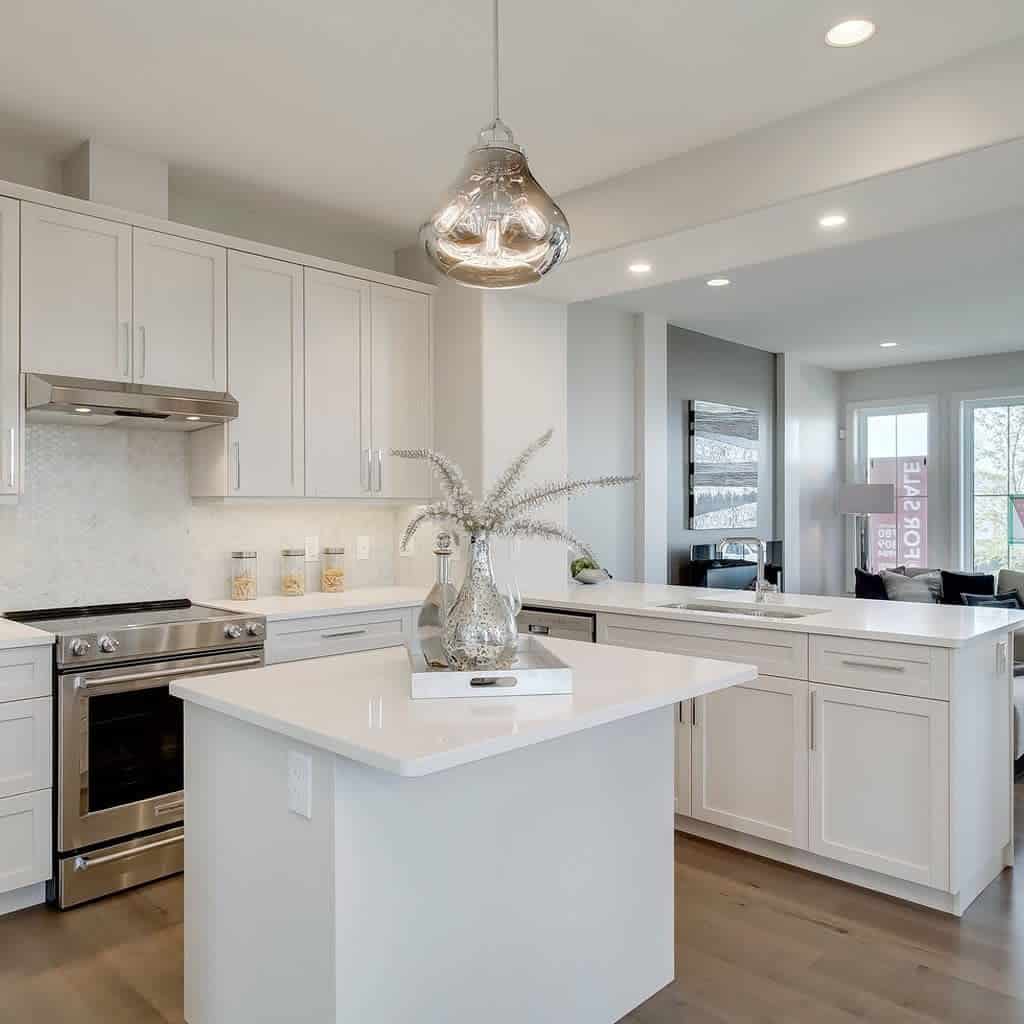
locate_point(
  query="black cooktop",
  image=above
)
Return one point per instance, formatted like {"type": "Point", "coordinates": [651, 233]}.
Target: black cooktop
{"type": "Point", "coordinates": [93, 618]}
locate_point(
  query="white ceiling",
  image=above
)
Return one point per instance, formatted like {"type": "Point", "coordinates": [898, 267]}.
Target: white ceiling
{"type": "Point", "coordinates": [368, 108]}
{"type": "Point", "coordinates": [945, 291]}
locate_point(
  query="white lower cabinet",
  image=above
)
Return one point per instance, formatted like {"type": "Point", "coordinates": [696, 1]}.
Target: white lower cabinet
{"type": "Point", "coordinates": [749, 759]}
{"type": "Point", "coordinates": [879, 782]}
{"type": "Point", "coordinates": [25, 853]}
{"type": "Point", "coordinates": [25, 746]}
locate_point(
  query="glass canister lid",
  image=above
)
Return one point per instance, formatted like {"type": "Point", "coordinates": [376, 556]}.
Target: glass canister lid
{"type": "Point", "coordinates": [336, 550]}
{"type": "Point", "coordinates": [243, 554]}
{"type": "Point", "coordinates": [293, 552]}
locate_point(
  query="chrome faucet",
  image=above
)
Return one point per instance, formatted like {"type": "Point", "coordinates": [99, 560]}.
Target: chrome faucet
{"type": "Point", "coordinates": [762, 549]}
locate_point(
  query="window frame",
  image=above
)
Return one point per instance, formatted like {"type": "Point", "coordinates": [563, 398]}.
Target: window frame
{"type": "Point", "coordinates": [965, 455]}
{"type": "Point", "coordinates": [856, 467]}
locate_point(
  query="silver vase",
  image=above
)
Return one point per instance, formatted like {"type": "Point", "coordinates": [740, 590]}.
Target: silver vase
{"type": "Point", "coordinates": [480, 630]}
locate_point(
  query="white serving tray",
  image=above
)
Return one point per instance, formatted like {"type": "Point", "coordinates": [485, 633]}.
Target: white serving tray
{"type": "Point", "coordinates": [537, 671]}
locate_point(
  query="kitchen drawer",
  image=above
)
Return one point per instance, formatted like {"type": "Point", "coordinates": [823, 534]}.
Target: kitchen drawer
{"type": "Point", "coordinates": [774, 652]}
{"type": "Point", "coordinates": [319, 636]}
{"type": "Point", "coordinates": [25, 853]}
{"type": "Point", "coordinates": [908, 669]}
{"type": "Point", "coordinates": [26, 672]}
{"type": "Point", "coordinates": [26, 730]}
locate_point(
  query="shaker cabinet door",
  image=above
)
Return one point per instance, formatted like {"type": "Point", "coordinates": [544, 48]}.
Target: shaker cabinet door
{"type": "Point", "coordinates": [339, 460]}
{"type": "Point", "coordinates": [402, 390]}
{"type": "Point", "coordinates": [76, 283]}
{"type": "Point", "coordinates": [880, 782]}
{"type": "Point", "coordinates": [750, 759]}
{"type": "Point", "coordinates": [180, 328]}
{"type": "Point", "coordinates": [11, 440]}
{"type": "Point", "coordinates": [266, 446]}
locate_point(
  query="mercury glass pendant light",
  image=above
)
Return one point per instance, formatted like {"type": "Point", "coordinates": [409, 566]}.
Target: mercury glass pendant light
{"type": "Point", "coordinates": [497, 228]}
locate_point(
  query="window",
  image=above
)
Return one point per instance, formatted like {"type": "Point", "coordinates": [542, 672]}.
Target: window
{"type": "Point", "coordinates": [993, 483]}
{"type": "Point", "coordinates": [892, 448]}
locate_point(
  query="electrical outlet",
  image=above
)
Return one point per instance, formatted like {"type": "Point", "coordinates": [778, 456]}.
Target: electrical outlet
{"type": "Point", "coordinates": [362, 548]}
{"type": "Point", "coordinates": [300, 784]}
{"type": "Point", "coordinates": [313, 549]}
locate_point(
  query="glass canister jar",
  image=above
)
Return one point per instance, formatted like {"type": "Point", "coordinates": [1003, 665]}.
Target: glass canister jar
{"type": "Point", "coordinates": [244, 575]}
{"type": "Point", "coordinates": [332, 570]}
{"type": "Point", "coordinates": [293, 572]}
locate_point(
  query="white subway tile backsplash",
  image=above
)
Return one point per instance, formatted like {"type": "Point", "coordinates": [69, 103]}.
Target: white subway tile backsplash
{"type": "Point", "coordinates": [106, 516]}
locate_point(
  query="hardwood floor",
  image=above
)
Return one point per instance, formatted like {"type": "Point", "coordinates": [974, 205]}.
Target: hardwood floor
{"type": "Point", "coordinates": [756, 942]}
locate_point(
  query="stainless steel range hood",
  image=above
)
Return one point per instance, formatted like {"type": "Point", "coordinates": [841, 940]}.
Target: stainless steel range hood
{"type": "Point", "coordinates": [108, 403]}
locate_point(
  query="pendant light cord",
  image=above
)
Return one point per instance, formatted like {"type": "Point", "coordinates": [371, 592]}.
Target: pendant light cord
{"type": "Point", "coordinates": [497, 67]}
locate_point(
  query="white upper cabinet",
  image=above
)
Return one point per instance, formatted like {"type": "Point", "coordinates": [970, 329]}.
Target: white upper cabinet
{"type": "Point", "coordinates": [402, 390]}
{"type": "Point", "coordinates": [261, 453]}
{"type": "Point", "coordinates": [76, 304]}
{"type": "Point", "coordinates": [338, 455]}
{"type": "Point", "coordinates": [179, 295]}
{"type": "Point", "coordinates": [10, 390]}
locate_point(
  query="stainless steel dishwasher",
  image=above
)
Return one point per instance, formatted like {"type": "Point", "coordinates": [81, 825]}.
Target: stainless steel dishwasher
{"type": "Point", "coordinates": [558, 623]}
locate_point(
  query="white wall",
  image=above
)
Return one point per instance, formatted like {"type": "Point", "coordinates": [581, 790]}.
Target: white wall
{"type": "Point", "coordinates": [948, 381]}
{"type": "Point", "coordinates": [602, 352]}
{"type": "Point", "coordinates": [811, 471]}
{"type": "Point", "coordinates": [106, 516]}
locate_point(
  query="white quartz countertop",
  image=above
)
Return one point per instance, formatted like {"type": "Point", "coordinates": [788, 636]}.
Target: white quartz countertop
{"type": "Point", "coordinates": [358, 705]}
{"type": "Point", "coordinates": [933, 625]}
{"type": "Point", "coordinates": [276, 607]}
{"type": "Point", "coordinates": [15, 634]}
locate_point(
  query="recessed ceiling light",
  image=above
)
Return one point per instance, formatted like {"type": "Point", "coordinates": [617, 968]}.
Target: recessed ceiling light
{"type": "Point", "coordinates": [639, 268]}
{"type": "Point", "coordinates": [718, 282]}
{"type": "Point", "coordinates": [832, 220]}
{"type": "Point", "coordinates": [82, 408]}
{"type": "Point", "coordinates": [850, 33]}
{"type": "Point", "coordinates": [193, 419]}
{"type": "Point", "coordinates": [888, 344]}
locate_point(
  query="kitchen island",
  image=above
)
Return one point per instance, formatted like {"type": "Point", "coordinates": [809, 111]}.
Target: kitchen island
{"type": "Point", "coordinates": [875, 746]}
{"type": "Point", "coordinates": [505, 859]}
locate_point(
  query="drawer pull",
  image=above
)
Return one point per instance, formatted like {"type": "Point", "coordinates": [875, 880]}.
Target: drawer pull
{"type": "Point", "coordinates": [874, 665]}
{"type": "Point", "coordinates": [539, 630]}
{"type": "Point", "coordinates": [342, 632]}
{"type": "Point", "coordinates": [493, 681]}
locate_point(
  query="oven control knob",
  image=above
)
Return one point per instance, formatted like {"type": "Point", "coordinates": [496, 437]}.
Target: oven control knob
{"type": "Point", "coordinates": [78, 646]}
{"type": "Point", "coordinates": [232, 632]}
{"type": "Point", "coordinates": [255, 629]}
{"type": "Point", "coordinates": [107, 644]}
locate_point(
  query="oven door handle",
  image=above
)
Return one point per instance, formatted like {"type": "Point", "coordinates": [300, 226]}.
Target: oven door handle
{"type": "Point", "coordinates": [140, 677]}
{"type": "Point", "coordinates": [83, 863]}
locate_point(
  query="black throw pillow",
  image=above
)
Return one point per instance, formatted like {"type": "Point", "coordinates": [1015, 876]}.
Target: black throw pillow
{"type": "Point", "coordinates": [869, 585]}
{"type": "Point", "coordinates": [956, 584]}
{"type": "Point", "coordinates": [1011, 599]}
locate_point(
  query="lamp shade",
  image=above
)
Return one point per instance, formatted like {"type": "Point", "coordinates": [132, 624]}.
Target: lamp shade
{"type": "Point", "coordinates": [865, 499]}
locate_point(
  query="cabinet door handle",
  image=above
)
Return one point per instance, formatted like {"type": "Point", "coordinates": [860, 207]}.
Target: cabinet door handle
{"type": "Point", "coordinates": [380, 470]}
{"type": "Point", "coordinates": [810, 719]}
{"type": "Point", "coordinates": [142, 352]}
{"type": "Point", "coordinates": [238, 465]}
{"type": "Point", "coordinates": [12, 457]}
{"type": "Point", "coordinates": [127, 337]}
{"type": "Point", "coordinates": [693, 711]}
{"type": "Point", "coordinates": [877, 666]}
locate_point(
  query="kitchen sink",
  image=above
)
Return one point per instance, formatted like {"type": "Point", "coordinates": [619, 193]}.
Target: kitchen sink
{"type": "Point", "coordinates": [750, 611]}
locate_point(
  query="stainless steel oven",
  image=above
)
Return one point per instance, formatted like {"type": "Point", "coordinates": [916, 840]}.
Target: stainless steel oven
{"type": "Point", "coordinates": [119, 757]}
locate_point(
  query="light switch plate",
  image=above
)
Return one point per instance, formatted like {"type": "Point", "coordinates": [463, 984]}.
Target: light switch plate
{"type": "Point", "coordinates": [300, 783]}
{"type": "Point", "coordinates": [313, 549]}
{"type": "Point", "coordinates": [362, 548]}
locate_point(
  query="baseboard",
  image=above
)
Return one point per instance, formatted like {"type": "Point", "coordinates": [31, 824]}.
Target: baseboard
{"type": "Point", "coordinates": [19, 899]}
{"type": "Point", "coordinates": [922, 895]}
